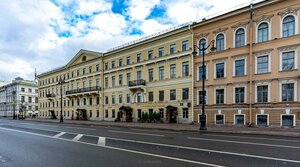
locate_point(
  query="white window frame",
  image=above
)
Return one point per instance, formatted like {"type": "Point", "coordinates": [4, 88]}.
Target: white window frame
{"type": "Point", "coordinates": [198, 96]}
{"type": "Point", "coordinates": [288, 82]}
{"type": "Point", "coordinates": [215, 94]}
{"type": "Point", "coordinates": [269, 31]}
{"type": "Point", "coordinates": [245, 94]}
{"type": "Point", "coordinates": [294, 120]}
{"type": "Point", "coordinates": [216, 119]}
{"type": "Point", "coordinates": [295, 56]}
{"type": "Point", "coordinates": [263, 84]}
{"type": "Point", "coordinates": [199, 45]}
{"type": "Point", "coordinates": [224, 40]}
{"type": "Point", "coordinates": [245, 33]}
{"type": "Point", "coordinates": [269, 62]}
{"type": "Point", "coordinates": [245, 67]}
{"type": "Point", "coordinates": [239, 114]}
{"type": "Point", "coordinates": [296, 23]}
{"type": "Point", "coordinates": [200, 65]}
{"type": "Point", "coordinates": [215, 72]}
{"type": "Point", "coordinates": [268, 117]}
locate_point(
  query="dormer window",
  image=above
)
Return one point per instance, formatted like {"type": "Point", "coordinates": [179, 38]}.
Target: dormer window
{"type": "Point", "coordinates": [84, 58]}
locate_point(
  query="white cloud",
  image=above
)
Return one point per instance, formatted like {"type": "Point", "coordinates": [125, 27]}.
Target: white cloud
{"type": "Point", "coordinates": [139, 10]}
{"type": "Point", "coordinates": [90, 6]}
{"type": "Point", "coordinates": [151, 26]}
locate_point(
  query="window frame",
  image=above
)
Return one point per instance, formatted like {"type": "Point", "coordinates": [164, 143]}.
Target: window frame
{"type": "Point", "coordinates": [257, 31]}
{"type": "Point", "coordinates": [235, 37]}
{"type": "Point", "coordinates": [224, 42]}
{"type": "Point", "coordinates": [281, 82]}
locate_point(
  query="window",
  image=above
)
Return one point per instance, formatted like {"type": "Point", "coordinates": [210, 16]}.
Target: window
{"type": "Point", "coordinates": [113, 99]}
{"type": "Point", "coordinates": [83, 71]}
{"type": "Point", "coordinates": [106, 82]}
{"type": "Point", "coordinates": [200, 97]}
{"type": "Point", "coordinates": [239, 119]}
{"type": "Point", "coordinates": [185, 113]}
{"type": "Point", "coordinates": [262, 93]}
{"type": "Point", "coordinates": [287, 120]}
{"type": "Point", "coordinates": [97, 113]}
{"type": "Point", "coordinates": [240, 95]}
{"type": "Point", "coordinates": [138, 57]}
{"type": "Point", "coordinates": [185, 45]}
{"type": "Point", "coordinates": [113, 113]}
{"type": "Point", "coordinates": [72, 74]}
{"type": "Point", "coordinates": [84, 101]}
{"type": "Point", "coordinates": [113, 64]}
{"type": "Point", "coordinates": [29, 90]}
{"type": "Point", "coordinates": [78, 72]}
{"type": "Point", "coordinates": [185, 93]}
{"type": "Point", "coordinates": [113, 81]}
{"type": "Point", "coordinates": [185, 69]}
{"type": "Point", "coordinates": [150, 55]}
{"type": "Point", "coordinates": [262, 64]}
{"type": "Point", "coordinates": [150, 96]}
{"type": "Point", "coordinates": [106, 113]}
{"type": "Point", "coordinates": [22, 98]}
{"type": "Point", "coordinates": [138, 75]}
{"type": "Point", "coordinates": [128, 76]}
{"type": "Point", "coordinates": [288, 26]}
{"type": "Point", "coordinates": [106, 99]}
{"type": "Point", "coordinates": [120, 99]}
{"type": "Point", "coordinates": [90, 69]}
{"type": "Point", "coordinates": [239, 37]}
{"type": "Point", "coordinates": [172, 48]}
{"type": "Point", "coordinates": [239, 67]}
{"type": "Point", "coordinates": [97, 100]}
{"type": "Point", "coordinates": [220, 70]}
{"type": "Point", "coordinates": [173, 71]}
{"type": "Point", "coordinates": [120, 80]}
{"type": "Point", "coordinates": [160, 52]}
{"type": "Point", "coordinates": [161, 95]}
{"type": "Point", "coordinates": [22, 89]}
{"type": "Point", "coordinates": [139, 114]}
{"type": "Point", "coordinates": [106, 66]}
{"type": "Point", "coordinates": [91, 101]}
{"type": "Point", "coordinates": [288, 61]}
{"type": "Point", "coordinates": [29, 99]}
{"type": "Point", "coordinates": [120, 62]}
{"type": "Point", "coordinates": [173, 94]}
{"type": "Point", "coordinates": [220, 44]}
{"type": "Point", "coordinates": [150, 74]}
{"type": "Point", "coordinates": [139, 97]}
{"type": "Point", "coordinates": [161, 112]}
{"type": "Point", "coordinates": [263, 32]}
{"type": "Point", "coordinates": [128, 60]}
{"type": "Point", "coordinates": [220, 96]}
{"type": "Point", "coordinates": [287, 92]}
{"type": "Point", "coordinates": [262, 120]}
{"type": "Point", "coordinates": [128, 96]}
{"type": "Point", "coordinates": [202, 44]}
{"type": "Point", "coordinates": [161, 73]}
{"type": "Point", "coordinates": [97, 68]}
{"type": "Point", "coordinates": [219, 119]}
{"type": "Point", "coordinates": [202, 74]}
{"type": "Point", "coordinates": [97, 83]}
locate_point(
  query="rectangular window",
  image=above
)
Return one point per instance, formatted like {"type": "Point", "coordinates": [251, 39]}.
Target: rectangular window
{"type": "Point", "coordinates": [200, 95]}
{"type": "Point", "coordinates": [29, 99]}
{"type": "Point", "coordinates": [239, 119]}
{"type": "Point", "coordinates": [185, 93]}
{"type": "Point", "coordinates": [120, 99]}
{"type": "Point", "coordinates": [262, 120]}
{"type": "Point", "coordinates": [150, 96]}
{"type": "Point", "coordinates": [173, 94]}
{"type": "Point", "coordinates": [161, 112]}
{"type": "Point", "coordinates": [172, 48]}
{"type": "Point", "coordinates": [29, 90]}
{"type": "Point", "coordinates": [139, 113]}
{"type": "Point", "coordinates": [113, 81]}
{"type": "Point", "coordinates": [161, 95]}
{"type": "Point", "coordinates": [128, 98]}
{"type": "Point", "coordinates": [22, 98]}
{"type": "Point", "coordinates": [262, 93]}
{"type": "Point", "coordinates": [113, 113]}
{"type": "Point", "coordinates": [219, 96]}
{"type": "Point", "coordinates": [262, 64]}
{"type": "Point", "coordinates": [97, 100]}
{"type": "Point", "coordinates": [173, 71]}
{"type": "Point", "coordinates": [185, 69]}
{"type": "Point", "coordinates": [120, 62]}
{"type": "Point", "coordinates": [128, 60]}
{"type": "Point", "coordinates": [288, 61]}
{"type": "Point", "coordinates": [120, 80]}
{"type": "Point", "coordinates": [138, 75]}
{"type": "Point", "coordinates": [78, 73]}
{"type": "Point", "coordinates": [150, 55]}
{"type": "Point", "coordinates": [97, 68]}
{"type": "Point", "coordinates": [113, 64]}
{"type": "Point", "coordinates": [160, 52]}
{"type": "Point", "coordinates": [22, 89]}
{"type": "Point", "coordinates": [240, 95]}
{"type": "Point", "coordinates": [91, 101]}
{"type": "Point", "coordinates": [219, 119]}
{"type": "Point", "coordinates": [106, 113]}
{"type": "Point", "coordinates": [106, 66]}
{"type": "Point", "coordinates": [220, 70]}
{"type": "Point", "coordinates": [287, 92]}
{"type": "Point", "coordinates": [106, 99]}
{"type": "Point", "coordinates": [161, 73]}
{"type": "Point", "coordinates": [185, 45]}
{"type": "Point", "coordinates": [138, 57]}
{"type": "Point", "coordinates": [97, 114]}
{"type": "Point", "coordinates": [139, 97]}
{"type": "Point", "coordinates": [128, 76]}
{"type": "Point", "coordinates": [200, 76]}
{"type": "Point", "coordinates": [113, 101]}
{"type": "Point", "coordinates": [150, 74]}
{"type": "Point", "coordinates": [239, 67]}
{"type": "Point", "coordinates": [185, 113]}
{"type": "Point", "coordinates": [90, 69]}
{"type": "Point", "coordinates": [97, 83]}
{"type": "Point", "coordinates": [106, 82]}
{"type": "Point", "coordinates": [83, 71]}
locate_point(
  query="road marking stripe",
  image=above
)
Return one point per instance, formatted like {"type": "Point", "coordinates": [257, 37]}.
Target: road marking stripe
{"type": "Point", "coordinates": [70, 127]}
{"type": "Point", "coordinates": [159, 131]}
{"type": "Point", "coordinates": [76, 138]}
{"type": "Point", "coordinates": [60, 134]}
{"type": "Point", "coordinates": [120, 149]}
{"type": "Point", "coordinates": [248, 137]}
{"type": "Point", "coordinates": [135, 133]}
{"type": "Point", "coordinates": [241, 142]}
{"type": "Point", "coordinates": [101, 141]}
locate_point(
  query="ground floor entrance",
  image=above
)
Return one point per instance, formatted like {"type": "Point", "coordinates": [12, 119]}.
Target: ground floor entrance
{"type": "Point", "coordinates": [127, 112]}
{"type": "Point", "coordinates": [171, 114]}
{"type": "Point", "coordinates": [81, 114]}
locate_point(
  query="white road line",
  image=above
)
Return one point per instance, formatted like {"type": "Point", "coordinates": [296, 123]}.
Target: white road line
{"type": "Point", "coordinates": [76, 138]}
{"type": "Point", "coordinates": [70, 127]}
{"type": "Point", "coordinates": [248, 137]}
{"type": "Point", "coordinates": [159, 131]}
{"type": "Point", "coordinates": [241, 142]}
{"type": "Point", "coordinates": [60, 134]}
{"type": "Point", "coordinates": [135, 133]}
{"type": "Point", "coordinates": [101, 141]}
{"type": "Point", "coordinates": [120, 149]}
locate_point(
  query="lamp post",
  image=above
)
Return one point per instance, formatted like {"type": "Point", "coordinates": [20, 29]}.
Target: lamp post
{"type": "Point", "coordinates": [14, 97]}
{"type": "Point", "coordinates": [203, 49]}
{"type": "Point", "coordinates": [61, 82]}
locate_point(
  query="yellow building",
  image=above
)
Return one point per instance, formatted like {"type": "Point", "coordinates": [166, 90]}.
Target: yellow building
{"type": "Point", "coordinates": [150, 75]}
{"type": "Point", "coordinates": [253, 77]}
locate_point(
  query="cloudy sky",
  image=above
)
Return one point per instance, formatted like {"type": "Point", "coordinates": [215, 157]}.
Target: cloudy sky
{"type": "Point", "coordinates": [45, 34]}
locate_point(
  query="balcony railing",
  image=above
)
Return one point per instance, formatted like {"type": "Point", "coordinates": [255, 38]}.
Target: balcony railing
{"type": "Point", "coordinates": [139, 82]}
{"type": "Point", "coordinates": [49, 95]}
{"type": "Point", "coordinates": [83, 90]}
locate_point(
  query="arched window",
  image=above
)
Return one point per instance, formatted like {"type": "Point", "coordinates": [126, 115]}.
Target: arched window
{"type": "Point", "coordinates": [201, 42]}
{"type": "Point", "coordinates": [263, 32]}
{"type": "Point", "coordinates": [220, 42]}
{"type": "Point", "coordinates": [239, 37]}
{"type": "Point", "coordinates": [288, 26]}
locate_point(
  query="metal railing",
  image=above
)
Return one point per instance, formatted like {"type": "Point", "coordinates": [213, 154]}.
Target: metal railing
{"type": "Point", "coordinates": [82, 90]}
{"type": "Point", "coordinates": [139, 82]}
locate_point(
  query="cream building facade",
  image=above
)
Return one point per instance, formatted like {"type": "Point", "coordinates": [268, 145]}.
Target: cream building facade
{"type": "Point", "coordinates": [253, 77]}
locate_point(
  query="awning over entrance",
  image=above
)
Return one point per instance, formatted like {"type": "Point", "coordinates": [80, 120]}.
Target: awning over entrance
{"type": "Point", "coordinates": [169, 107]}
{"type": "Point", "coordinates": [125, 108]}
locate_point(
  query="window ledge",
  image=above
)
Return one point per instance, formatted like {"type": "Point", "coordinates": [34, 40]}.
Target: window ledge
{"type": "Point", "coordinates": [220, 78]}
{"type": "Point", "coordinates": [283, 71]}
{"type": "Point", "coordinates": [262, 73]}
{"type": "Point", "coordinates": [238, 76]}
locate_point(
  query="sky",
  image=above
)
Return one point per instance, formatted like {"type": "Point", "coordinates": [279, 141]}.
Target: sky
{"type": "Point", "coordinates": [45, 34]}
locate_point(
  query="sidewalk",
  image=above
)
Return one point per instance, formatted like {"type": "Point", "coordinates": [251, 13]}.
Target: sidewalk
{"type": "Point", "coordinates": [274, 131]}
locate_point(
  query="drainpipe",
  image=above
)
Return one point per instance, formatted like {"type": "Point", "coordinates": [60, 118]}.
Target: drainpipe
{"type": "Point", "coordinates": [192, 59]}
{"type": "Point", "coordinates": [102, 85]}
{"type": "Point", "coordinates": [250, 63]}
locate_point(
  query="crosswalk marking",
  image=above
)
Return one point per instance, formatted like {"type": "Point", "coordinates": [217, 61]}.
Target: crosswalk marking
{"type": "Point", "coordinates": [76, 138]}
{"type": "Point", "coordinates": [60, 134]}
{"type": "Point", "coordinates": [101, 141]}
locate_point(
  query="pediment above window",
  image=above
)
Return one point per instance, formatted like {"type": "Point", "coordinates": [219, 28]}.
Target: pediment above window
{"type": "Point", "coordinates": [289, 11]}
{"type": "Point", "coordinates": [220, 30]}
{"type": "Point", "coordinates": [266, 18]}
{"type": "Point", "coordinates": [240, 24]}
{"type": "Point", "coordinates": [202, 35]}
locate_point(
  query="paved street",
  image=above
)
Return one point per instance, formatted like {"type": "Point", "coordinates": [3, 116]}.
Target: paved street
{"type": "Point", "coordinates": [26, 143]}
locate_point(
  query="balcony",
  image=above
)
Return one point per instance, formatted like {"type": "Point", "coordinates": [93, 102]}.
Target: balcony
{"type": "Point", "coordinates": [50, 95]}
{"type": "Point", "coordinates": [136, 83]}
{"type": "Point", "coordinates": [88, 90]}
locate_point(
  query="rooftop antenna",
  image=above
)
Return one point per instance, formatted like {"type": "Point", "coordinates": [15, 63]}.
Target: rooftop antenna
{"type": "Point", "coordinates": [35, 75]}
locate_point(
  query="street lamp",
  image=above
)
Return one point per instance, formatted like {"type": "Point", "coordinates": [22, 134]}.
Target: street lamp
{"type": "Point", "coordinates": [61, 82]}
{"type": "Point", "coordinates": [14, 105]}
{"type": "Point", "coordinates": [203, 49]}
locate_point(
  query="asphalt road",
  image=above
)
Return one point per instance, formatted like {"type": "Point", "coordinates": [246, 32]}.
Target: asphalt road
{"type": "Point", "coordinates": [35, 144]}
